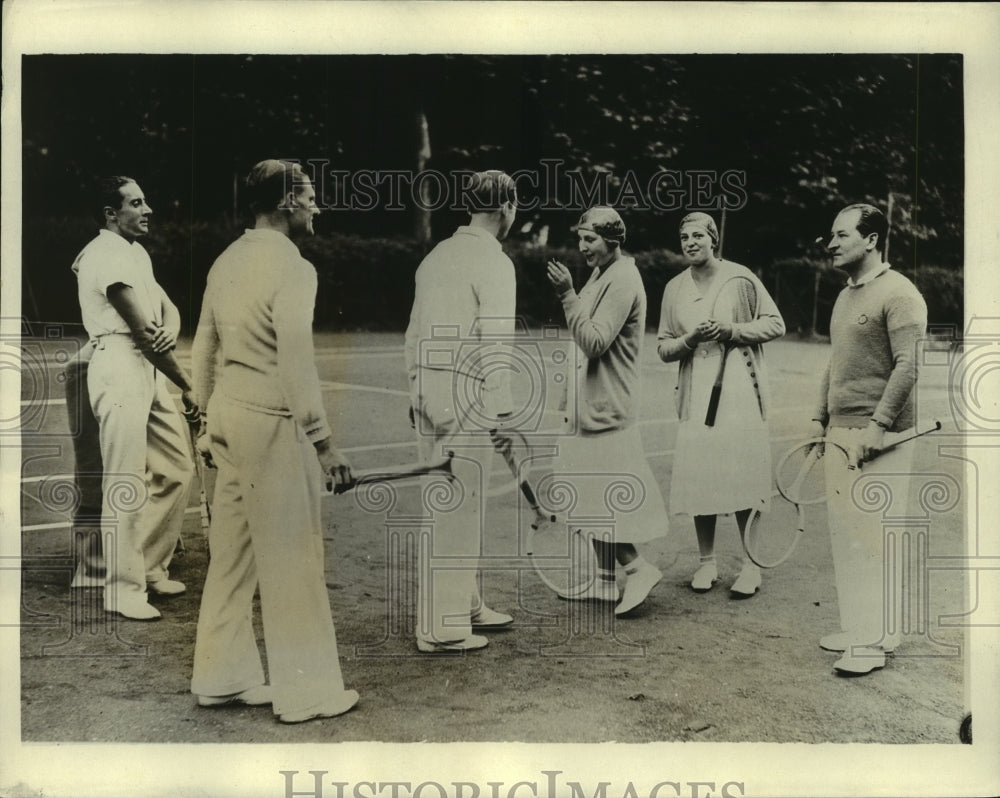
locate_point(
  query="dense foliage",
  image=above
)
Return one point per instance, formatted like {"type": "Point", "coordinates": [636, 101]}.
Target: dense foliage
{"type": "Point", "coordinates": [780, 142]}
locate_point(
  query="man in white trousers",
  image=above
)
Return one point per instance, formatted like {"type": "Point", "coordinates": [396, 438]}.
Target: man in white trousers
{"type": "Point", "coordinates": [268, 434]}
{"type": "Point", "coordinates": [133, 327]}
{"type": "Point", "coordinates": [88, 471]}
{"type": "Point", "coordinates": [868, 390]}
{"type": "Point", "coordinates": [463, 312]}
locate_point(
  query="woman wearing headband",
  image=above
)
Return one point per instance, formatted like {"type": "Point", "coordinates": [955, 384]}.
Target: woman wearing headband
{"type": "Point", "coordinates": [604, 457]}
{"type": "Point", "coordinates": [723, 467]}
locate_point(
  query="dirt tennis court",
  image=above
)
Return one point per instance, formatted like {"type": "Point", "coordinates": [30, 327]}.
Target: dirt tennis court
{"type": "Point", "coordinates": [684, 667]}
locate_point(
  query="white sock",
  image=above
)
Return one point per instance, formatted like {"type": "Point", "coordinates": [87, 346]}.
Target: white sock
{"type": "Point", "coordinates": [635, 565]}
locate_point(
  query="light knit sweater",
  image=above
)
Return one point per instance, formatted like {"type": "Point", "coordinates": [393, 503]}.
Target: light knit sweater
{"type": "Point", "coordinates": [749, 336]}
{"type": "Point", "coordinates": [874, 332]}
{"type": "Point", "coordinates": [464, 315]}
{"type": "Point", "coordinates": [256, 319]}
{"type": "Point", "coordinates": [607, 320]}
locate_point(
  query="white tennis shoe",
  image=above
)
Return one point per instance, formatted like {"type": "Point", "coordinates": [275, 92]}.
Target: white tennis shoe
{"type": "Point", "coordinates": [860, 660]}
{"type": "Point", "coordinates": [841, 641]}
{"type": "Point", "coordinates": [595, 590]}
{"type": "Point", "coordinates": [485, 618]}
{"type": "Point", "coordinates": [638, 583]}
{"type": "Point", "coordinates": [748, 582]}
{"type": "Point", "coordinates": [470, 643]}
{"type": "Point", "coordinates": [257, 696]}
{"type": "Point", "coordinates": [706, 576]}
{"type": "Point", "coordinates": [346, 703]}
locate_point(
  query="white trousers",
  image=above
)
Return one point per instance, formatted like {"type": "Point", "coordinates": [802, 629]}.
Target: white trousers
{"type": "Point", "coordinates": [267, 530]}
{"type": "Point", "coordinates": [447, 591]}
{"type": "Point", "coordinates": [147, 468]}
{"type": "Point", "coordinates": [869, 584]}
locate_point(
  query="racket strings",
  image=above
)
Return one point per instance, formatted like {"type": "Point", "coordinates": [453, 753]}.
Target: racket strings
{"type": "Point", "coordinates": [563, 559]}
{"type": "Point", "coordinates": [736, 300]}
{"type": "Point", "coordinates": [800, 475]}
{"type": "Point", "coordinates": [771, 537]}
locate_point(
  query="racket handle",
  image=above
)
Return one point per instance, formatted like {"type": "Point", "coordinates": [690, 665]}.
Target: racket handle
{"type": "Point", "coordinates": [713, 405]}
{"type": "Point", "coordinates": [206, 512]}
{"type": "Point", "coordinates": [933, 428]}
{"type": "Point", "coordinates": [404, 472]}
{"type": "Point", "coordinates": [529, 494]}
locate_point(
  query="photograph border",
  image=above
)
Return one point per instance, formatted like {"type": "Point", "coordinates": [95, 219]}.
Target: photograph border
{"type": "Point", "coordinates": [316, 27]}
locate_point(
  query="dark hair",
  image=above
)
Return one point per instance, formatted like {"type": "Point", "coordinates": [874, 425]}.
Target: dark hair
{"type": "Point", "coordinates": [109, 193]}
{"type": "Point", "coordinates": [871, 220]}
{"type": "Point", "coordinates": [489, 191]}
{"type": "Point", "coordinates": [269, 181]}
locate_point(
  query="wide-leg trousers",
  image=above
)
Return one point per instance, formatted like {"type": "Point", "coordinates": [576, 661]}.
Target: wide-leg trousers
{"type": "Point", "coordinates": [88, 466]}
{"type": "Point", "coordinates": [266, 529]}
{"type": "Point", "coordinates": [147, 468]}
{"type": "Point", "coordinates": [868, 575]}
{"type": "Point", "coordinates": [447, 590]}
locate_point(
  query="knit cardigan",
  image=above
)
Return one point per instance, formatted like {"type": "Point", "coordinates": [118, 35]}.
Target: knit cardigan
{"type": "Point", "coordinates": [749, 336]}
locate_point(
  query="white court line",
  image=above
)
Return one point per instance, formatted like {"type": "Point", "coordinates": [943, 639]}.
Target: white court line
{"type": "Point", "coordinates": [45, 403]}
{"type": "Point", "coordinates": [29, 480]}
{"type": "Point", "coordinates": [43, 527]}
{"type": "Point", "coordinates": [66, 524]}
{"type": "Point", "coordinates": [332, 354]}
{"type": "Point", "coordinates": [377, 447]}
{"type": "Point", "coordinates": [327, 385]}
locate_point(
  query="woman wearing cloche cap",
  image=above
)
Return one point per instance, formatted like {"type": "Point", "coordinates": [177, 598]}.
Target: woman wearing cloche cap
{"type": "Point", "coordinates": [726, 467]}
{"type": "Point", "coordinates": [607, 320]}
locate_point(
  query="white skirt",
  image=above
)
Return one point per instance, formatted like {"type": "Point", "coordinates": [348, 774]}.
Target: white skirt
{"type": "Point", "coordinates": [725, 467]}
{"type": "Point", "coordinates": [604, 482]}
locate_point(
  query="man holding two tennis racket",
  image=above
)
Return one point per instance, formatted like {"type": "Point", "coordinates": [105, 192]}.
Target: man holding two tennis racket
{"type": "Point", "coordinates": [867, 394]}
{"type": "Point", "coordinates": [462, 317]}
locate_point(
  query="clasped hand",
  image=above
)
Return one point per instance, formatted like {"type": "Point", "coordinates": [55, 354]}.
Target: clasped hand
{"type": "Point", "coordinates": [711, 330]}
{"type": "Point", "coordinates": [160, 339]}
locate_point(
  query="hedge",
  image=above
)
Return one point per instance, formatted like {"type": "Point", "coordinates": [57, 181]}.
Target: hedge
{"type": "Point", "coordinates": [367, 283]}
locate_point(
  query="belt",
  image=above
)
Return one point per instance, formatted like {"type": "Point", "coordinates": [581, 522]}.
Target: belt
{"type": "Point", "coordinates": [708, 348]}
{"type": "Point", "coordinates": [99, 341]}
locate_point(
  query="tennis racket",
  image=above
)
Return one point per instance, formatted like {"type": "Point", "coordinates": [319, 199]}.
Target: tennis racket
{"type": "Point", "coordinates": [738, 296]}
{"type": "Point", "coordinates": [419, 469]}
{"type": "Point", "coordinates": [563, 559]}
{"type": "Point", "coordinates": [888, 447]}
{"type": "Point", "coordinates": [771, 538]}
{"type": "Point", "coordinates": [517, 454]}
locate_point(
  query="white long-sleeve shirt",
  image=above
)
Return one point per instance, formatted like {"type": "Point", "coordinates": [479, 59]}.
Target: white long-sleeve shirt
{"type": "Point", "coordinates": [463, 314]}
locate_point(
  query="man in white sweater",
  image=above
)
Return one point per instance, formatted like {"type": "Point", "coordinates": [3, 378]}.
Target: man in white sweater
{"type": "Point", "coordinates": [868, 389]}
{"type": "Point", "coordinates": [463, 315]}
{"type": "Point", "coordinates": [268, 433]}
